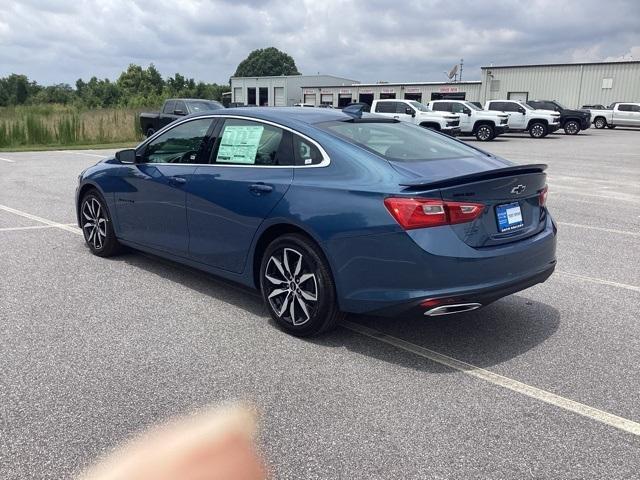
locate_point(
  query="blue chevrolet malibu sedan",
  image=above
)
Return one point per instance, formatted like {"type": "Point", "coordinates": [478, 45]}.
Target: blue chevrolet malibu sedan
{"type": "Point", "coordinates": [326, 212]}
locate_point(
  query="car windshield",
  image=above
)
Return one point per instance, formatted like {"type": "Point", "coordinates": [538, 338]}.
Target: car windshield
{"type": "Point", "coordinates": [399, 141]}
{"type": "Point", "coordinates": [204, 106]}
{"type": "Point", "coordinates": [559, 105]}
{"type": "Point", "coordinates": [419, 106]}
{"type": "Point", "coordinates": [472, 106]}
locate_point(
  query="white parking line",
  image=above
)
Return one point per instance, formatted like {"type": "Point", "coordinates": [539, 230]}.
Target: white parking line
{"type": "Point", "coordinates": [602, 229]}
{"type": "Point", "coordinates": [592, 413]}
{"type": "Point", "coordinates": [7, 160]}
{"type": "Point", "coordinates": [601, 281]}
{"type": "Point", "coordinates": [30, 227]}
{"type": "Point", "coordinates": [62, 226]}
{"type": "Point", "coordinates": [84, 153]}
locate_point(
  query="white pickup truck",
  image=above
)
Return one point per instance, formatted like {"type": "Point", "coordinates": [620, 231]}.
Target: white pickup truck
{"type": "Point", "coordinates": [523, 118]}
{"type": "Point", "coordinates": [622, 114]}
{"type": "Point", "coordinates": [484, 124]}
{"type": "Point", "coordinates": [419, 114]}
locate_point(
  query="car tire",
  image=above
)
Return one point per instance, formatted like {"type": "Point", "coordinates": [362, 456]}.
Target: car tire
{"type": "Point", "coordinates": [97, 227]}
{"type": "Point", "coordinates": [611, 126]}
{"type": "Point", "coordinates": [298, 287]}
{"type": "Point", "coordinates": [599, 123]}
{"type": "Point", "coordinates": [150, 132]}
{"type": "Point", "coordinates": [538, 130]}
{"type": "Point", "coordinates": [572, 127]}
{"type": "Point", "coordinates": [485, 132]}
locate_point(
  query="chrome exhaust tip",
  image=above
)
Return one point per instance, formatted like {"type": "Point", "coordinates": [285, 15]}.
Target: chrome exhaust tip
{"type": "Point", "coordinates": [451, 309]}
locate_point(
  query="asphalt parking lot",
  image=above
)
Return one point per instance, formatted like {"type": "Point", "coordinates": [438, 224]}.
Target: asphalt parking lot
{"type": "Point", "coordinates": [542, 384]}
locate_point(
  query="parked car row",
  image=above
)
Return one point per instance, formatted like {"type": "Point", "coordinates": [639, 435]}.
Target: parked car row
{"type": "Point", "coordinates": [460, 117]}
{"type": "Point", "coordinates": [454, 117]}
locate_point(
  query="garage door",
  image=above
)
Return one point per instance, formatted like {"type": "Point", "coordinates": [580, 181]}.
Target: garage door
{"type": "Point", "coordinates": [278, 95]}
{"type": "Point", "coordinates": [310, 98]}
{"type": "Point", "coordinates": [326, 99]}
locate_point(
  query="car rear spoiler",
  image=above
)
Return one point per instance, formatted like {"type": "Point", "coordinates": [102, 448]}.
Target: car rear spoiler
{"type": "Point", "coordinates": [423, 183]}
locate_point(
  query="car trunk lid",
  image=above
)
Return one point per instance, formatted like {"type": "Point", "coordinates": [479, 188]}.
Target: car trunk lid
{"type": "Point", "coordinates": [510, 195]}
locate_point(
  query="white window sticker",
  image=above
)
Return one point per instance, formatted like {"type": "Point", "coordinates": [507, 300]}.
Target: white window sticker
{"type": "Point", "coordinates": [239, 144]}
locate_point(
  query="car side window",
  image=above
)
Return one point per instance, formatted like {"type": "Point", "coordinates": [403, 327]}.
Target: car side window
{"type": "Point", "coordinates": [509, 107]}
{"type": "Point", "coordinates": [457, 107]}
{"type": "Point", "coordinates": [180, 105]}
{"type": "Point", "coordinates": [442, 106]}
{"type": "Point", "coordinates": [401, 107]}
{"type": "Point", "coordinates": [306, 153]}
{"type": "Point", "coordinates": [169, 106]}
{"type": "Point", "coordinates": [635, 108]}
{"type": "Point", "coordinates": [182, 144]}
{"type": "Point", "coordinates": [386, 107]}
{"type": "Point", "coordinates": [624, 108]}
{"type": "Point", "coordinates": [245, 142]}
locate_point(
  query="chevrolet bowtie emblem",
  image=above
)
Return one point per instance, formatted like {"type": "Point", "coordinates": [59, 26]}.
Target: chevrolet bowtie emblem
{"type": "Point", "coordinates": [518, 189]}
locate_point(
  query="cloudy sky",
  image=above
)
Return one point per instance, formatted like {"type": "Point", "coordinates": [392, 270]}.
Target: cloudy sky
{"type": "Point", "coordinates": [55, 41]}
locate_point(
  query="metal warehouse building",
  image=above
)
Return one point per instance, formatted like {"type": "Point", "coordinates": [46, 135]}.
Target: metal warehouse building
{"type": "Point", "coordinates": [279, 91]}
{"type": "Point", "coordinates": [572, 84]}
{"type": "Point", "coordinates": [367, 92]}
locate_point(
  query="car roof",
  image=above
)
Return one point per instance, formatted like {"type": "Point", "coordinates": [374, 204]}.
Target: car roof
{"type": "Point", "coordinates": [287, 116]}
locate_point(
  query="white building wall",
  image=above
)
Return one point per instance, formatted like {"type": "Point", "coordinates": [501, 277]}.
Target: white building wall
{"type": "Point", "coordinates": [292, 86]}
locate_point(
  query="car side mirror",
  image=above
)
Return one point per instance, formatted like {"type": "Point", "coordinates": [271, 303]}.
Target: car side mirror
{"type": "Point", "coordinates": [178, 112]}
{"type": "Point", "coordinates": [521, 110]}
{"type": "Point", "coordinates": [126, 156]}
{"type": "Point", "coordinates": [409, 111]}
{"type": "Point", "coordinates": [467, 111]}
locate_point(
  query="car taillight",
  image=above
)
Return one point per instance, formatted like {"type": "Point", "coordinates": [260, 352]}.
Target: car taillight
{"type": "Point", "coordinates": [420, 213]}
{"type": "Point", "coordinates": [542, 196]}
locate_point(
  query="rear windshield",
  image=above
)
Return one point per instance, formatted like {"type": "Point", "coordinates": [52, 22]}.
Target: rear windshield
{"type": "Point", "coordinates": [399, 141]}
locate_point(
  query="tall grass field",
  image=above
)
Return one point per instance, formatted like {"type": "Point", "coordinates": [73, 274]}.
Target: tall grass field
{"type": "Point", "coordinates": [60, 125]}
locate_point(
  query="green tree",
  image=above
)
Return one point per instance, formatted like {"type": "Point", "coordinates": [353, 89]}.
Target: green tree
{"type": "Point", "coordinates": [265, 62]}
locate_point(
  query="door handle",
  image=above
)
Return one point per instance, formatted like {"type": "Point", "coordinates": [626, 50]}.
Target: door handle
{"type": "Point", "coordinates": [260, 188]}
{"type": "Point", "coordinates": [177, 180]}
{"type": "Point", "coordinates": [396, 116]}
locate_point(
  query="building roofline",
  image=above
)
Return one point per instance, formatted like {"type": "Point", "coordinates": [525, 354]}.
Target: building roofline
{"type": "Point", "coordinates": [297, 76]}
{"type": "Point", "coordinates": [564, 64]}
{"type": "Point", "coordinates": [470, 82]}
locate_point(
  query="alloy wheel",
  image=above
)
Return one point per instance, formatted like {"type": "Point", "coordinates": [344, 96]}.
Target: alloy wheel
{"type": "Point", "coordinates": [484, 133]}
{"type": "Point", "coordinates": [537, 130]}
{"type": "Point", "coordinates": [292, 288]}
{"type": "Point", "coordinates": [572, 128]}
{"type": "Point", "coordinates": [94, 222]}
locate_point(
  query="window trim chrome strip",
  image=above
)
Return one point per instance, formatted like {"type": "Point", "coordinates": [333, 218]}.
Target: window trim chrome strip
{"type": "Point", "coordinates": [326, 160]}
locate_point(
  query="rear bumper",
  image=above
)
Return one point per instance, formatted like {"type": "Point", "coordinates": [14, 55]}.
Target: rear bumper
{"type": "Point", "coordinates": [483, 296]}
{"type": "Point", "coordinates": [553, 127]}
{"type": "Point", "coordinates": [391, 274]}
